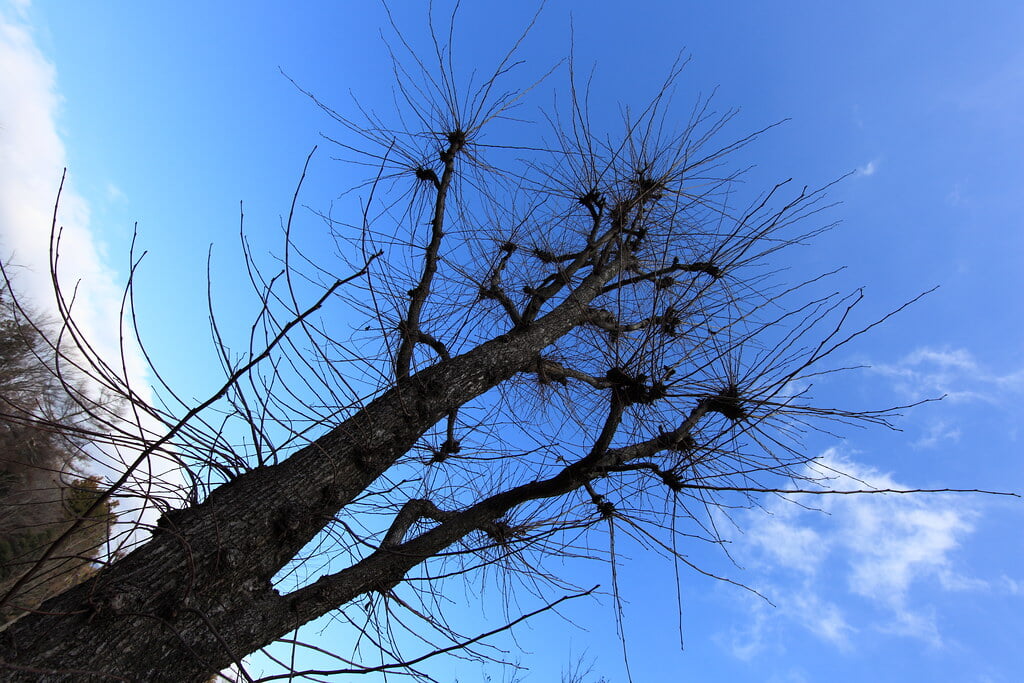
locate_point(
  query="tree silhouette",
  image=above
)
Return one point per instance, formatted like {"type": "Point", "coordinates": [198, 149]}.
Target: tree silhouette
{"type": "Point", "coordinates": [513, 346]}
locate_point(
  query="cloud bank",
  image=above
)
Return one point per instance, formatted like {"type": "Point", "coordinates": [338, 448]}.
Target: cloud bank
{"type": "Point", "coordinates": [32, 158]}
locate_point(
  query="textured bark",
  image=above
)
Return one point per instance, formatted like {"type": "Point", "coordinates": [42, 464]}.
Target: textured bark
{"type": "Point", "coordinates": [197, 597]}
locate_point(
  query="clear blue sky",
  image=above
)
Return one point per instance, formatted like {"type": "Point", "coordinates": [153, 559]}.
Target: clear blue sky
{"type": "Point", "coordinates": [169, 114]}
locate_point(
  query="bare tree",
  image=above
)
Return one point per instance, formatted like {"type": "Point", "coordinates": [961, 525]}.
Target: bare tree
{"type": "Point", "coordinates": [515, 345]}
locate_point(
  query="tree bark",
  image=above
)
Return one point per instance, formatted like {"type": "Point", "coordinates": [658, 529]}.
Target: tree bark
{"type": "Point", "coordinates": [198, 596]}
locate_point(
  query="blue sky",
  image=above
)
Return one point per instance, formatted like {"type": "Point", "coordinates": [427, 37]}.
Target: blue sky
{"type": "Point", "coordinates": [169, 115]}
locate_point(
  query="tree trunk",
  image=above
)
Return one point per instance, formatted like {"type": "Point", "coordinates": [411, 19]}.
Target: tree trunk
{"type": "Point", "coordinates": [198, 597]}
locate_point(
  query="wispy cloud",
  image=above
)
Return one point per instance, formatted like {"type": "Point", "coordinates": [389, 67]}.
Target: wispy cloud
{"type": "Point", "coordinates": [799, 603]}
{"type": "Point", "coordinates": [868, 169]}
{"type": "Point", "coordinates": [857, 566]}
{"type": "Point", "coordinates": [821, 617]}
{"type": "Point", "coordinates": [955, 373]}
{"type": "Point", "coordinates": [32, 156]}
{"type": "Point", "coordinates": [937, 432]}
{"type": "Point", "coordinates": [20, 7]}
{"type": "Point", "coordinates": [115, 193]}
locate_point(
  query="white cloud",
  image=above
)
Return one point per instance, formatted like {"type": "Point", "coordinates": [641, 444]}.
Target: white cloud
{"type": "Point", "coordinates": [868, 169]}
{"type": "Point", "coordinates": [937, 432]}
{"type": "Point", "coordinates": [20, 7]}
{"type": "Point", "coordinates": [823, 618]}
{"type": "Point", "coordinates": [870, 553]}
{"type": "Point", "coordinates": [1012, 586]}
{"type": "Point", "coordinates": [748, 638]}
{"type": "Point", "coordinates": [32, 156]}
{"type": "Point", "coordinates": [894, 542]}
{"type": "Point", "coordinates": [789, 545]}
{"type": "Point", "coordinates": [761, 629]}
{"type": "Point", "coordinates": [919, 624]}
{"type": "Point", "coordinates": [929, 372]}
{"type": "Point", "coordinates": [959, 359]}
{"type": "Point", "coordinates": [115, 193]}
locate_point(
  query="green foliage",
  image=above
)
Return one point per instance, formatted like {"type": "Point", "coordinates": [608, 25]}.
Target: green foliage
{"type": "Point", "coordinates": [16, 547]}
{"type": "Point", "coordinates": [81, 495]}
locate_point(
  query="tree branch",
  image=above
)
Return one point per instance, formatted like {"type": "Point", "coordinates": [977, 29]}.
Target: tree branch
{"type": "Point", "coordinates": [410, 329]}
{"type": "Point", "coordinates": [552, 371]}
{"type": "Point", "coordinates": [387, 566]}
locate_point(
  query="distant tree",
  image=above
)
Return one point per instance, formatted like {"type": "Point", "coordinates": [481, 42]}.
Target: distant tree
{"type": "Point", "coordinates": [516, 346]}
{"type": "Point", "coordinates": [42, 491]}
